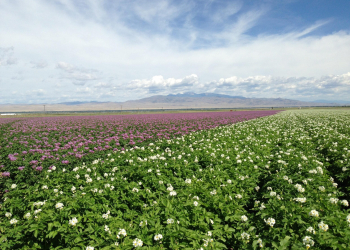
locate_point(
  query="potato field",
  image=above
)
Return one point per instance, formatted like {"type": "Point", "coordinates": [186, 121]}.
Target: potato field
{"type": "Point", "coordinates": [273, 180]}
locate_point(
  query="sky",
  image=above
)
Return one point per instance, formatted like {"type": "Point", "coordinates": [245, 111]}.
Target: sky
{"type": "Point", "coordinates": [54, 51]}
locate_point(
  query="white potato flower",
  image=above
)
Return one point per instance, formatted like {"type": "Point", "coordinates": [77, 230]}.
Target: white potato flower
{"type": "Point", "coordinates": [323, 226]}
{"type": "Point", "coordinates": [73, 221]}
{"type": "Point", "coordinates": [270, 221]}
{"type": "Point", "coordinates": [13, 221]}
{"type": "Point", "coordinates": [311, 230]}
{"type": "Point", "coordinates": [313, 213]}
{"type": "Point", "coordinates": [307, 241]}
{"type": "Point", "coordinates": [344, 203]}
{"type": "Point", "coordinates": [137, 243]}
{"type": "Point", "coordinates": [59, 206]}
{"type": "Point", "coordinates": [244, 218]}
{"type": "Point", "coordinates": [158, 237]}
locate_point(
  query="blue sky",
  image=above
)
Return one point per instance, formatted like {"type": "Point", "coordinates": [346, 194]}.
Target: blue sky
{"type": "Point", "coordinates": [99, 50]}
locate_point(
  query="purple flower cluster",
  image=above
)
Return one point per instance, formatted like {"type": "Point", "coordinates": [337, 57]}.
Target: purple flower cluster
{"type": "Point", "coordinates": [63, 140]}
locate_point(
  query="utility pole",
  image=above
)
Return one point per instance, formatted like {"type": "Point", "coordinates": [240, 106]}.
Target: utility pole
{"type": "Point", "coordinates": [121, 107]}
{"type": "Point", "coordinates": [44, 108]}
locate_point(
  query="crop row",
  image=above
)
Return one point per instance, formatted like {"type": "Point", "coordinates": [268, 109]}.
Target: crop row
{"type": "Point", "coordinates": [34, 144]}
{"type": "Point", "coordinates": [275, 182]}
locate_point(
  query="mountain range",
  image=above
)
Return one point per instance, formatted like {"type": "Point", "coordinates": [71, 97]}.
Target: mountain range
{"type": "Point", "coordinates": [188, 100]}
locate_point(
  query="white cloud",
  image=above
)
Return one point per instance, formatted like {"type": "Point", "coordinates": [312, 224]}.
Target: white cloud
{"type": "Point", "coordinates": [296, 87]}
{"type": "Point", "coordinates": [75, 73]}
{"type": "Point", "coordinates": [66, 67]}
{"type": "Point", "coordinates": [155, 48]}
{"type": "Point", "coordinates": [158, 83]}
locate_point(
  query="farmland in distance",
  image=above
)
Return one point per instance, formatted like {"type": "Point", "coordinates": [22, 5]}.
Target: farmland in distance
{"type": "Point", "coordinates": [206, 182]}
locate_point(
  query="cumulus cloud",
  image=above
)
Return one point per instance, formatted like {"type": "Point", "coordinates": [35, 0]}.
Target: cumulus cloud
{"type": "Point", "coordinates": [75, 73]}
{"type": "Point", "coordinates": [336, 86]}
{"type": "Point", "coordinates": [158, 83]}
{"type": "Point", "coordinates": [269, 86]}
{"type": "Point", "coordinates": [161, 45]}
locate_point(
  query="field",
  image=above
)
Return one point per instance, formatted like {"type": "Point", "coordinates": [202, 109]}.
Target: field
{"type": "Point", "coordinates": [177, 181]}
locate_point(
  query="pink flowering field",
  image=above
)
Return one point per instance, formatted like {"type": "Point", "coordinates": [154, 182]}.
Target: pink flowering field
{"type": "Point", "coordinates": [37, 143]}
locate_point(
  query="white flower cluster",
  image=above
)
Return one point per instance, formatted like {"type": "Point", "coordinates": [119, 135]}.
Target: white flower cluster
{"type": "Point", "coordinates": [313, 213]}
{"type": "Point", "coordinates": [213, 192]}
{"type": "Point", "coordinates": [323, 226]}
{"type": "Point", "coordinates": [260, 242]}
{"type": "Point", "coordinates": [238, 196]}
{"type": "Point", "coordinates": [39, 203]}
{"type": "Point", "coordinates": [244, 218]}
{"type": "Point", "coordinates": [322, 188]}
{"type": "Point", "coordinates": [59, 206]}
{"type": "Point", "coordinates": [206, 242]}
{"type": "Point", "coordinates": [37, 211]}
{"type": "Point", "coordinates": [158, 237]}
{"type": "Point", "coordinates": [311, 230]}
{"type": "Point", "coordinates": [170, 221]}
{"type": "Point", "coordinates": [308, 242]}
{"type": "Point", "coordinates": [344, 203]}
{"type": "Point", "coordinates": [121, 232]}
{"type": "Point", "coordinates": [13, 221]}
{"type": "Point", "coordinates": [270, 221]}
{"type": "Point", "coordinates": [301, 200]}
{"type": "Point", "coordinates": [333, 200]}
{"type": "Point", "coordinates": [245, 237]}
{"type": "Point", "coordinates": [106, 215]}
{"type": "Point", "coordinates": [13, 186]}
{"type": "Point", "coordinates": [299, 188]}
{"type": "Point", "coordinates": [137, 243]}
{"type": "Point", "coordinates": [73, 221]}
{"type": "Point", "coordinates": [107, 229]}
{"type": "Point", "coordinates": [8, 215]}
{"type": "Point", "coordinates": [188, 181]}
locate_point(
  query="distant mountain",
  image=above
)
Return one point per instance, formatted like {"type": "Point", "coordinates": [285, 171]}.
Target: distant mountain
{"type": "Point", "coordinates": [77, 103]}
{"type": "Point", "coordinates": [187, 100]}
{"type": "Point", "coordinates": [332, 101]}
{"type": "Point", "coordinates": [211, 100]}
{"type": "Point", "coordinates": [192, 94]}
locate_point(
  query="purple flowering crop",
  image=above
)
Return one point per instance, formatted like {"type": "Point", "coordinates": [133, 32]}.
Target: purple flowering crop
{"type": "Point", "coordinates": [64, 141]}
